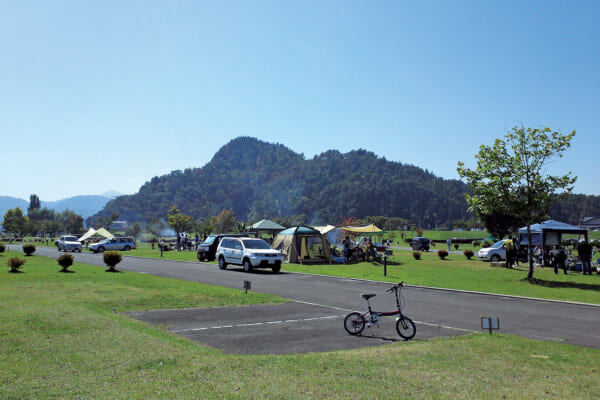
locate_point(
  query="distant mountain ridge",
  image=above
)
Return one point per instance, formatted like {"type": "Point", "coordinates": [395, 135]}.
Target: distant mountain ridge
{"type": "Point", "coordinates": [85, 205]}
{"type": "Point", "coordinates": [256, 179]}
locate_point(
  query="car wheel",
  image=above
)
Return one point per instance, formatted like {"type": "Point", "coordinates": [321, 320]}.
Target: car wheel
{"type": "Point", "coordinates": [276, 269]}
{"type": "Point", "coordinates": [222, 263]}
{"type": "Point", "coordinates": [127, 248]}
{"type": "Point", "coordinates": [247, 266]}
{"type": "Point", "coordinates": [78, 250]}
{"type": "Point", "coordinates": [495, 258]}
{"type": "Point", "coordinates": [100, 249]}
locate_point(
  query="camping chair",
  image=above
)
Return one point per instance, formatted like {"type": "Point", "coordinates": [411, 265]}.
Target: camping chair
{"type": "Point", "coordinates": [596, 265]}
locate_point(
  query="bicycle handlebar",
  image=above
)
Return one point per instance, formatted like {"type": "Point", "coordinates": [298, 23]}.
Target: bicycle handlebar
{"type": "Point", "coordinates": [395, 287]}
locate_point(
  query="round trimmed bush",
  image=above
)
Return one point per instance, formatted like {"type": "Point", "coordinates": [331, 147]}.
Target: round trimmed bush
{"type": "Point", "coordinates": [2, 248]}
{"type": "Point", "coordinates": [111, 259]}
{"type": "Point", "coordinates": [442, 254]}
{"type": "Point", "coordinates": [468, 253]}
{"type": "Point", "coordinates": [15, 263]}
{"type": "Point", "coordinates": [28, 249]}
{"type": "Point", "coordinates": [65, 261]}
{"type": "Point", "coordinates": [416, 255]}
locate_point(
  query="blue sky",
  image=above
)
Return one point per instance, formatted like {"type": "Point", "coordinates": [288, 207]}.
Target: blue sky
{"type": "Point", "coordinates": [104, 95]}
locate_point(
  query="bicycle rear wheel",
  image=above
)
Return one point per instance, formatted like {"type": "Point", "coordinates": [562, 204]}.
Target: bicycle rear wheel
{"type": "Point", "coordinates": [406, 328]}
{"type": "Point", "coordinates": [354, 323]}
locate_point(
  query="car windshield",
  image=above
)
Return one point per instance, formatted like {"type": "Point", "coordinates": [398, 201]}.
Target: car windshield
{"type": "Point", "coordinates": [210, 240]}
{"type": "Point", "coordinates": [498, 244]}
{"type": "Point", "coordinates": [70, 239]}
{"type": "Point", "coordinates": [256, 244]}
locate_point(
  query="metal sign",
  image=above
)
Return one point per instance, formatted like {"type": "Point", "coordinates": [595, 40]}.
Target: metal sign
{"type": "Point", "coordinates": [490, 323]}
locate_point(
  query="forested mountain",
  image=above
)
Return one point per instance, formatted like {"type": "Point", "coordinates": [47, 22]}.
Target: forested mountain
{"type": "Point", "coordinates": [257, 179]}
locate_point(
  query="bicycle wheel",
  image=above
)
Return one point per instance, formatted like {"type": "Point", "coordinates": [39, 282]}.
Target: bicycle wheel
{"type": "Point", "coordinates": [354, 323]}
{"type": "Point", "coordinates": [406, 328]}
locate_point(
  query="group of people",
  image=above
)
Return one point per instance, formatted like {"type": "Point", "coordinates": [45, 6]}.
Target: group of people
{"type": "Point", "coordinates": [365, 250]}
{"type": "Point", "coordinates": [558, 256]}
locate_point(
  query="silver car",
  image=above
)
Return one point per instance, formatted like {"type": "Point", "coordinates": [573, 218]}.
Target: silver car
{"type": "Point", "coordinates": [118, 243]}
{"type": "Point", "coordinates": [494, 253]}
{"type": "Point", "coordinates": [68, 243]}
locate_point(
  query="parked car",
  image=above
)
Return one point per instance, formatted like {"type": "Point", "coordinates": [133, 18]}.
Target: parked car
{"type": "Point", "coordinates": [494, 253]}
{"type": "Point", "coordinates": [68, 243]}
{"type": "Point", "coordinates": [207, 250]}
{"type": "Point", "coordinates": [249, 252]}
{"type": "Point", "coordinates": [420, 243]}
{"type": "Point", "coordinates": [117, 243]}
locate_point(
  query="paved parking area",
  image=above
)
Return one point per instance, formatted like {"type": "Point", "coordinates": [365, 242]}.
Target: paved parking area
{"type": "Point", "coordinates": [287, 328]}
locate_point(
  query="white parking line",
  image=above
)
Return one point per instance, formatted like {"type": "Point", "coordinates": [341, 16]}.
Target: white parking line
{"type": "Point", "coordinates": [257, 324]}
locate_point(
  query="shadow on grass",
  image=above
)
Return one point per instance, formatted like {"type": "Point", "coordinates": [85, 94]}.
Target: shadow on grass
{"type": "Point", "coordinates": [111, 270]}
{"type": "Point", "coordinates": [66, 271]}
{"type": "Point", "coordinates": [565, 285]}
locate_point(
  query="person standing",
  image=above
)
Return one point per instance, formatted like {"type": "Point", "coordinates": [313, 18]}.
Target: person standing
{"type": "Point", "coordinates": [449, 243]}
{"type": "Point", "coordinates": [558, 260]}
{"type": "Point", "coordinates": [509, 246]}
{"type": "Point", "coordinates": [584, 251]}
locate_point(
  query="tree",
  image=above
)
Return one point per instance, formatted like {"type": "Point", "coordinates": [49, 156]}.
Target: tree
{"type": "Point", "coordinates": [134, 230]}
{"type": "Point", "coordinates": [71, 221]}
{"type": "Point", "coordinates": [15, 221]}
{"type": "Point", "coordinates": [178, 221]}
{"type": "Point", "coordinates": [510, 177]}
{"type": "Point", "coordinates": [34, 203]}
{"type": "Point", "coordinates": [225, 221]}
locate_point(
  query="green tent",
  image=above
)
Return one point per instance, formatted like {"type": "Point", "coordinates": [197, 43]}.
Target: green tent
{"type": "Point", "coordinates": [302, 244]}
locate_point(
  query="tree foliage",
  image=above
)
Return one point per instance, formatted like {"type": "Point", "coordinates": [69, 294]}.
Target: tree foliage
{"type": "Point", "coordinates": [15, 222]}
{"type": "Point", "coordinates": [34, 203]}
{"type": "Point", "coordinates": [179, 221]}
{"type": "Point", "coordinates": [511, 180]}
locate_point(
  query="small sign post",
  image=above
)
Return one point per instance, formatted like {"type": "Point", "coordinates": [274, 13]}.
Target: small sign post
{"type": "Point", "coordinates": [247, 286]}
{"type": "Point", "coordinates": [490, 323]}
{"type": "Point", "coordinates": [384, 264]}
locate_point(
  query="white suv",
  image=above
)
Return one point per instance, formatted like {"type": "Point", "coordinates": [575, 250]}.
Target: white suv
{"type": "Point", "coordinates": [249, 252]}
{"type": "Point", "coordinates": [493, 253]}
{"type": "Point", "coordinates": [68, 243]}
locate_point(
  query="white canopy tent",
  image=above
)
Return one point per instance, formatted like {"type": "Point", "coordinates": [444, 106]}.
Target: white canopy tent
{"type": "Point", "coordinates": [93, 232]}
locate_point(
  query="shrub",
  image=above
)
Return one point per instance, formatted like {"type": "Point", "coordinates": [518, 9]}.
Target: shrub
{"type": "Point", "coordinates": [468, 253]}
{"type": "Point", "coordinates": [28, 249]}
{"type": "Point", "coordinates": [111, 259]}
{"type": "Point", "coordinates": [417, 255]}
{"type": "Point", "coordinates": [442, 254]}
{"type": "Point", "coordinates": [2, 248]}
{"type": "Point", "coordinates": [65, 261]}
{"type": "Point", "coordinates": [485, 244]}
{"type": "Point", "coordinates": [455, 246]}
{"type": "Point", "coordinates": [475, 243]}
{"type": "Point", "coordinates": [15, 263]}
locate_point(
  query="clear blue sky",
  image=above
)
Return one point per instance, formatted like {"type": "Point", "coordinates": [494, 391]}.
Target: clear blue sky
{"type": "Point", "coordinates": [104, 95]}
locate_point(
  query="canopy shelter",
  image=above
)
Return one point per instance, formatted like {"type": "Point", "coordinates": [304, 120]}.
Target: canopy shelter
{"type": "Point", "coordinates": [267, 225]}
{"type": "Point", "coordinates": [548, 233]}
{"type": "Point", "coordinates": [371, 228]}
{"type": "Point", "coordinates": [302, 244]}
{"type": "Point", "coordinates": [91, 233]}
{"type": "Point", "coordinates": [334, 235]}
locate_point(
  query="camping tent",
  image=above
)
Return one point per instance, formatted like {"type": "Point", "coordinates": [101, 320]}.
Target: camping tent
{"type": "Point", "coordinates": [267, 225]}
{"type": "Point", "coordinates": [548, 233]}
{"type": "Point", "coordinates": [96, 233]}
{"type": "Point", "coordinates": [371, 228]}
{"type": "Point", "coordinates": [302, 244]}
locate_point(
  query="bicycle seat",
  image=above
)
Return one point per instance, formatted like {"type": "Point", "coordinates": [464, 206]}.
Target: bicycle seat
{"type": "Point", "coordinates": [367, 296]}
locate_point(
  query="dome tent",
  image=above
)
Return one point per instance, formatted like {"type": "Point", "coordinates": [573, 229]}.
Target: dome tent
{"type": "Point", "coordinates": [302, 244]}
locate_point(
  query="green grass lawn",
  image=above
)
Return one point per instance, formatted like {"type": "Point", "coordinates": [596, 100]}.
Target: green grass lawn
{"type": "Point", "coordinates": [64, 335]}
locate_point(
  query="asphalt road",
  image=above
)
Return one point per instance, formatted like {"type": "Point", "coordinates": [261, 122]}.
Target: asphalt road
{"type": "Point", "coordinates": [437, 312]}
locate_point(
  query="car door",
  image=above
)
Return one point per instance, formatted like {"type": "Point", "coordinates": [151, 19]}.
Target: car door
{"type": "Point", "coordinates": [236, 252]}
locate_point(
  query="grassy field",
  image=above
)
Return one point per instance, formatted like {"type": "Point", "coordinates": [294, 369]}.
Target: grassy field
{"type": "Point", "coordinates": [64, 335]}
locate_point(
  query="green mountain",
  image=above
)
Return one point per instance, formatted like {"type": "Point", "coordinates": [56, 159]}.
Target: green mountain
{"type": "Point", "coordinates": [256, 179]}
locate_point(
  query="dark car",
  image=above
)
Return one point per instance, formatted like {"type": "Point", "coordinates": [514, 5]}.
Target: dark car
{"type": "Point", "coordinates": [420, 243]}
{"type": "Point", "coordinates": [208, 248]}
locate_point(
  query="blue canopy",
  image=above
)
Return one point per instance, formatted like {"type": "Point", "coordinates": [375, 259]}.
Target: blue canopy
{"type": "Point", "coordinates": [551, 229]}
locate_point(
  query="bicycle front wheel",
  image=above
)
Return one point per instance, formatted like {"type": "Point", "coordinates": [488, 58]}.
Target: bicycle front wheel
{"type": "Point", "coordinates": [354, 323]}
{"type": "Point", "coordinates": [406, 328]}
